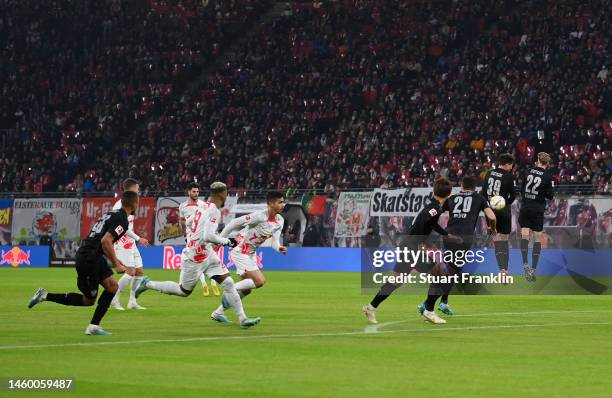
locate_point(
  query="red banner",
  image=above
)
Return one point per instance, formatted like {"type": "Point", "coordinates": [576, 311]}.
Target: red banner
{"type": "Point", "coordinates": [143, 223]}
{"type": "Point", "coordinates": [93, 208]}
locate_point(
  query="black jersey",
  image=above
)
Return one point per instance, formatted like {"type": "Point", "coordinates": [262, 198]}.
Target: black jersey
{"type": "Point", "coordinates": [463, 210]}
{"type": "Point", "coordinates": [427, 220]}
{"type": "Point", "coordinates": [115, 222]}
{"type": "Point", "coordinates": [499, 182]}
{"type": "Point", "coordinates": [537, 187]}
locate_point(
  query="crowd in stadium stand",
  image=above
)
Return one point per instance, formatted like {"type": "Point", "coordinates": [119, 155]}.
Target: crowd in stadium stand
{"type": "Point", "coordinates": [344, 94]}
{"type": "Point", "coordinates": [78, 76]}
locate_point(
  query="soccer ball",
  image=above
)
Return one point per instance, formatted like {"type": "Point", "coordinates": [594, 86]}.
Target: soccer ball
{"type": "Point", "coordinates": [497, 202]}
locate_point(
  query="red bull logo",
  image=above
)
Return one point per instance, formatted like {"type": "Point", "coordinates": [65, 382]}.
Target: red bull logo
{"type": "Point", "coordinates": [15, 257]}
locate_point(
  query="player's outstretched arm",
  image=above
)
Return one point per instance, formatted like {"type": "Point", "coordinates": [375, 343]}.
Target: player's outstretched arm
{"type": "Point", "coordinates": [237, 224]}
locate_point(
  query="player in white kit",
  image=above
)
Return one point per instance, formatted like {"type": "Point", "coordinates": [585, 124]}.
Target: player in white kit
{"type": "Point", "coordinates": [255, 228]}
{"type": "Point", "coordinates": [127, 252]}
{"type": "Point", "coordinates": [186, 210]}
{"type": "Point", "coordinates": [200, 257]}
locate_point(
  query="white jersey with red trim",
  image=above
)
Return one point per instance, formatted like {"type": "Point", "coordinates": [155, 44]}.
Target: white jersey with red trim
{"type": "Point", "coordinates": [202, 232]}
{"type": "Point", "coordinates": [127, 241]}
{"type": "Point", "coordinates": [256, 228]}
{"type": "Point", "coordinates": [188, 208]}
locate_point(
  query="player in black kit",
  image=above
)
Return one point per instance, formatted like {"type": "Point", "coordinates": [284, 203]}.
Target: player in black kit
{"type": "Point", "coordinates": [92, 268]}
{"type": "Point", "coordinates": [424, 223]}
{"type": "Point", "coordinates": [463, 211]}
{"type": "Point", "coordinates": [537, 187]}
{"type": "Point", "coordinates": [499, 181]}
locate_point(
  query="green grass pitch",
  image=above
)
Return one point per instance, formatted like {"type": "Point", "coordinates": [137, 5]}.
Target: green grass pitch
{"type": "Point", "coordinates": [313, 342]}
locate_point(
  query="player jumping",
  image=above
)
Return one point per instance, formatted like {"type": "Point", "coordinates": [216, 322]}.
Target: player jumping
{"type": "Point", "coordinates": [92, 268]}
{"type": "Point", "coordinates": [186, 210]}
{"type": "Point", "coordinates": [500, 181]}
{"type": "Point", "coordinates": [537, 187]}
{"type": "Point", "coordinates": [256, 228]}
{"type": "Point", "coordinates": [127, 252]}
{"type": "Point", "coordinates": [199, 256]}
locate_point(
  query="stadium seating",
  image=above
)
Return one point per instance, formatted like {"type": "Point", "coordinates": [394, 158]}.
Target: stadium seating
{"type": "Point", "coordinates": [328, 95]}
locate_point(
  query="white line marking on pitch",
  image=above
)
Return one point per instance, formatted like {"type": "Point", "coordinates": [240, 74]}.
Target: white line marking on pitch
{"type": "Point", "coordinates": [376, 328]}
{"type": "Point", "coordinates": [281, 336]}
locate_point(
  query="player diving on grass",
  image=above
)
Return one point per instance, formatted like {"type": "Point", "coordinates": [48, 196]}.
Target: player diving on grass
{"type": "Point", "coordinates": [424, 223]}
{"type": "Point", "coordinates": [463, 211]}
{"type": "Point", "coordinates": [255, 228]}
{"type": "Point", "coordinates": [92, 268]}
{"type": "Point", "coordinates": [199, 256]}
{"type": "Point", "coordinates": [186, 211]}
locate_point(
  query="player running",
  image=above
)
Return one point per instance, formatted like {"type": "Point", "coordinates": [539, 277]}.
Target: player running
{"type": "Point", "coordinates": [463, 211]}
{"type": "Point", "coordinates": [199, 256]}
{"type": "Point", "coordinates": [500, 181]}
{"type": "Point", "coordinates": [537, 187]}
{"type": "Point", "coordinates": [127, 252]}
{"type": "Point", "coordinates": [92, 268]}
{"type": "Point", "coordinates": [256, 228]}
{"type": "Point", "coordinates": [186, 210]}
{"type": "Point", "coordinates": [424, 223]}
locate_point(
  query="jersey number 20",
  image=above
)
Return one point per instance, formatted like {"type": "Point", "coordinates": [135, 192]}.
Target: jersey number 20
{"type": "Point", "coordinates": [462, 205]}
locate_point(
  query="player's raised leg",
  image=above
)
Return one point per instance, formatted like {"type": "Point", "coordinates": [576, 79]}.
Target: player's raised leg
{"type": "Point", "coordinates": [190, 274]}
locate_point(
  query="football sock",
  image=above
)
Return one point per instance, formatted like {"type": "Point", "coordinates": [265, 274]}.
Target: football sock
{"type": "Point", "coordinates": [245, 284]}
{"type": "Point", "coordinates": [535, 254]}
{"type": "Point", "coordinates": [135, 283]}
{"type": "Point", "coordinates": [167, 287]}
{"type": "Point", "coordinates": [75, 299]}
{"type": "Point", "coordinates": [501, 253]}
{"type": "Point", "coordinates": [524, 249]}
{"type": "Point", "coordinates": [232, 297]}
{"type": "Point", "coordinates": [384, 292]}
{"type": "Point", "coordinates": [430, 303]}
{"type": "Point", "coordinates": [123, 282]}
{"type": "Point", "coordinates": [103, 303]}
